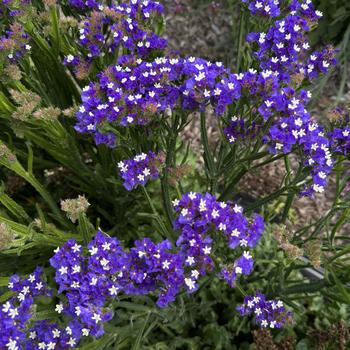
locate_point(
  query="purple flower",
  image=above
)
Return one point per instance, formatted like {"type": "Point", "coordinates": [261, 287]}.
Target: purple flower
{"type": "Point", "coordinates": [267, 313]}
{"type": "Point", "coordinates": [268, 8]}
{"type": "Point", "coordinates": [198, 216]}
{"type": "Point", "coordinates": [282, 53]}
{"type": "Point", "coordinates": [340, 140]}
{"type": "Point", "coordinates": [137, 92]}
{"type": "Point", "coordinates": [140, 169]}
{"type": "Point", "coordinates": [15, 42]}
{"type": "Point", "coordinates": [17, 311]}
{"type": "Point", "coordinates": [129, 24]}
{"type": "Point", "coordinates": [88, 279]}
{"type": "Point", "coordinates": [46, 335]}
{"type": "Point", "coordinates": [239, 130]}
{"type": "Point", "coordinates": [242, 266]}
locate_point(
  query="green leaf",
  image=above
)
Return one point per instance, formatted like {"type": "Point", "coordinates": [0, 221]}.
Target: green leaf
{"type": "Point", "coordinates": [85, 228]}
{"type": "Point", "coordinates": [100, 343]}
{"type": "Point", "coordinates": [6, 296]}
{"type": "Point", "coordinates": [4, 281]}
{"type": "Point", "coordinates": [342, 290]}
{"type": "Point", "coordinates": [55, 28]}
{"type": "Point", "coordinates": [45, 315]}
{"type": "Point", "coordinates": [208, 156]}
{"type": "Point", "coordinates": [13, 207]}
{"type": "Point", "coordinates": [137, 344]}
{"type": "Point", "coordinates": [304, 344]}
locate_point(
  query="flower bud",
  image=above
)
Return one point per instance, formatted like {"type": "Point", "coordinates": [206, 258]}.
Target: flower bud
{"type": "Point", "coordinates": [75, 207]}
{"type": "Point", "coordinates": [6, 153]}
{"type": "Point", "coordinates": [6, 236]}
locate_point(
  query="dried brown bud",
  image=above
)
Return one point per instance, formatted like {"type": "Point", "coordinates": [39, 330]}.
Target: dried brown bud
{"type": "Point", "coordinates": [114, 15]}
{"type": "Point", "coordinates": [14, 184]}
{"type": "Point", "coordinates": [49, 3]}
{"type": "Point", "coordinates": [44, 17]}
{"type": "Point", "coordinates": [297, 79]}
{"type": "Point", "coordinates": [8, 44]}
{"type": "Point", "coordinates": [49, 113]}
{"type": "Point", "coordinates": [43, 226]}
{"type": "Point", "coordinates": [68, 22]}
{"type": "Point", "coordinates": [151, 108]}
{"type": "Point", "coordinates": [314, 249]}
{"type": "Point", "coordinates": [263, 340]}
{"type": "Point", "coordinates": [161, 157]}
{"type": "Point", "coordinates": [74, 207]}
{"type": "Point", "coordinates": [26, 97]}
{"type": "Point", "coordinates": [109, 73]}
{"type": "Point", "coordinates": [292, 251]}
{"type": "Point", "coordinates": [18, 34]}
{"type": "Point", "coordinates": [82, 70]}
{"type": "Point", "coordinates": [178, 173]}
{"type": "Point", "coordinates": [335, 115]}
{"type": "Point", "coordinates": [12, 72]}
{"type": "Point", "coordinates": [337, 336]}
{"type": "Point", "coordinates": [6, 236]}
{"type": "Point", "coordinates": [6, 153]}
{"type": "Point", "coordinates": [70, 112]}
{"type": "Point", "coordinates": [38, 223]}
{"type": "Point", "coordinates": [283, 236]}
{"type": "Point", "coordinates": [27, 102]}
{"type": "Point", "coordinates": [47, 29]}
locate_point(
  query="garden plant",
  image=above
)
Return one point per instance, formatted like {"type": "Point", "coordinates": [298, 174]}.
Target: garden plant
{"type": "Point", "coordinates": [120, 231]}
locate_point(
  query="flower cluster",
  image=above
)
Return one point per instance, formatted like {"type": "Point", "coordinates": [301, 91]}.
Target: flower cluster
{"type": "Point", "coordinates": [84, 284]}
{"type": "Point", "coordinates": [268, 313]}
{"type": "Point", "coordinates": [17, 311]}
{"type": "Point", "coordinates": [198, 214]}
{"type": "Point", "coordinates": [283, 53]}
{"type": "Point", "coordinates": [89, 279]}
{"type": "Point", "coordinates": [270, 8]}
{"type": "Point", "coordinates": [89, 282]}
{"type": "Point", "coordinates": [296, 127]}
{"type": "Point", "coordinates": [85, 4]}
{"type": "Point", "coordinates": [75, 207]}
{"type": "Point", "coordinates": [14, 43]}
{"type": "Point", "coordinates": [128, 27]}
{"type": "Point", "coordinates": [150, 267]}
{"type": "Point", "coordinates": [13, 318]}
{"type": "Point", "coordinates": [340, 140]}
{"type": "Point", "coordinates": [48, 335]}
{"type": "Point", "coordinates": [239, 130]}
{"type": "Point", "coordinates": [14, 333]}
{"type": "Point", "coordinates": [134, 91]}
{"type": "Point", "coordinates": [12, 8]}
{"type": "Point", "coordinates": [140, 169]}
{"type": "Point", "coordinates": [284, 49]}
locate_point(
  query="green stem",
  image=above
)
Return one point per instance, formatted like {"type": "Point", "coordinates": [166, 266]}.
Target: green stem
{"type": "Point", "coordinates": [149, 200]}
{"type": "Point", "coordinates": [238, 286]}
{"type": "Point", "coordinates": [208, 157]}
{"type": "Point", "coordinates": [240, 41]}
{"type": "Point", "coordinates": [85, 228]}
{"type": "Point", "coordinates": [30, 178]}
{"type": "Point", "coordinates": [230, 188]}
{"type": "Point", "coordinates": [302, 288]}
{"type": "Point", "coordinates": [158, 219]}
{"type": "Point", "coordinates": [287, 206]}
{"type": "Point", "coordinates": [267, 199]}
{"type": "Point", "coordinates": [169, 162]}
